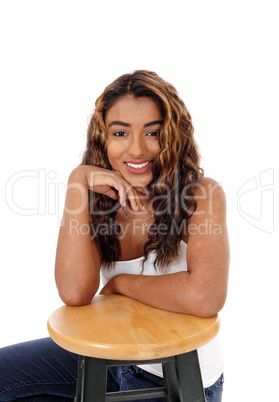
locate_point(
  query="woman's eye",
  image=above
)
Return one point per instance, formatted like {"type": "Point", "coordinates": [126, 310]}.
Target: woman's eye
{"type": "Point", "coordinates": [120, 134]}
{"type": "Point", "coordinates": [153, 133]}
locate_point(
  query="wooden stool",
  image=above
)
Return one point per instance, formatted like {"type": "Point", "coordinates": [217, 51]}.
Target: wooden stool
{"type": "Point", "coordinates": [115, 330]}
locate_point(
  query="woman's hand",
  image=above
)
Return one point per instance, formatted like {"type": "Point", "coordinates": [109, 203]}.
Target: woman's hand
{"type": "Point", "coordinates": [108, 182]}
{"type": "Point", "coordinates": [78, 260]}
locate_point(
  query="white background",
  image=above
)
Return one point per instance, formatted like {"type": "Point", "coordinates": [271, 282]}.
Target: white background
{"type": "Point", "coordinates": [222, 56]}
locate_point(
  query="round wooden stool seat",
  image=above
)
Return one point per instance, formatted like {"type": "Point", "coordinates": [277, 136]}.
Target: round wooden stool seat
{"type": "Point", "coordinates": [114, 330]}
{"type": "Point", "coordinates": [117, 327]}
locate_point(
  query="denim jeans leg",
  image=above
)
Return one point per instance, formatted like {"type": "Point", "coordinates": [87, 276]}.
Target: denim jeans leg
{"type": "Point", "coordinates": [214, 392]}
{"type": "Point", "coordinates": [37, 370]}
{"type": "Point", "coordinates": [41, 371]}
{"type": "Point", "coordinates": [133, 377]}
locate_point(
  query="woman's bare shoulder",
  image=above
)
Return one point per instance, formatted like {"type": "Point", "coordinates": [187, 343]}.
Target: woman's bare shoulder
{"type": "Point", "coordinates": [208, 189]}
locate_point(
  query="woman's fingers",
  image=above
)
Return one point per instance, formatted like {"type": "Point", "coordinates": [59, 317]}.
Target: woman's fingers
{"type": "Point", "coordinates": [114, 186]}
{"type": "Point", "coordinates": [128, 192]}
{"type": "Point", "coordinates": [134, 199]}
{"type": "Point", "coordinates": [108, 191]}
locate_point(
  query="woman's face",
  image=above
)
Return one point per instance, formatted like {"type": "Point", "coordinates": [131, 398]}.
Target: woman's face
{"type": "Point", "coordinates": [133, 127]}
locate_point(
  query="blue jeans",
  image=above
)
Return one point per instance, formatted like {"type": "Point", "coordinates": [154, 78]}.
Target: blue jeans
{"type": "Point", "coordinates": [41, 371]}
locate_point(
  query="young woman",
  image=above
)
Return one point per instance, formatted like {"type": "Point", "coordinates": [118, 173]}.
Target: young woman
{"type": "Point", "coordinates": [140, 216]}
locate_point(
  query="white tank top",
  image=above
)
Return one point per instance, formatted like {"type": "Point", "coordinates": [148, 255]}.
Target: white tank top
{"type": "Point", "coordinates": [210, 357]}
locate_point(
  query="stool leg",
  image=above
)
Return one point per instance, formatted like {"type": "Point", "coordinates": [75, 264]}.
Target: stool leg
{"type": "Point", "coordinates": [170, 377]}
{"type": "Point", "coordinates": [189, 377]}
{"type": "Point", "coordinates": [80, 379]}
{"type": "Point", "coordinates": [92, 380]}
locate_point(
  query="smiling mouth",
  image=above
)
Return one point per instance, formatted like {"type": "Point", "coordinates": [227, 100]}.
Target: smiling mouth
{"type": "Point", "coordinates": [138, 165]}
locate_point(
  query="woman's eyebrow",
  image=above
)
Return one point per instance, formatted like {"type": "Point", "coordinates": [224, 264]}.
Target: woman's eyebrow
{"type": "Point", "coordinates": [119, 123]}
{"type": "Point", "coordinates": [152, 123]}
{"type": "Point", "coordinates": [122, 123]}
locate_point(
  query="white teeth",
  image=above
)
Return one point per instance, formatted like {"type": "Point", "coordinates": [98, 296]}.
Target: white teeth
{"type": "Point", "coordinates": [138, 166]}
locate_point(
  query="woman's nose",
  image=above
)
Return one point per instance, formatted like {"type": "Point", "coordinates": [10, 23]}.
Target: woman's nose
{"type": "Point", "coordinates": [137, 147]}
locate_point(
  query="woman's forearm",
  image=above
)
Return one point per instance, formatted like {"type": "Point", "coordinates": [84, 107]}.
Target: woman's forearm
{"type": "Point", "coordinates": [77, 259]}
{"type": "Point", "coordinates": [178, 292]}
{"type": "Point", "coordinates": [202, 289]}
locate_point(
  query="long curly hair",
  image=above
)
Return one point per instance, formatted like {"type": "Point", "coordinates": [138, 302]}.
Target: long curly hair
{"type": "Point", "coordinates": [175, 170]}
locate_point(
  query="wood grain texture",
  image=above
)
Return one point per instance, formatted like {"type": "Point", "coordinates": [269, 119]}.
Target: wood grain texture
{"type": "Point", "coordinates": [117, 327]}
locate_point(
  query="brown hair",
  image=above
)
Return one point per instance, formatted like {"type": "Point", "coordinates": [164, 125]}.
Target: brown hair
{"type": "Point", "coordinates": [175, 169]}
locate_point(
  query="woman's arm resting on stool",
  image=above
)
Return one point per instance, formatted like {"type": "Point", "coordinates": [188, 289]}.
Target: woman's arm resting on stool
{"type": "Point", "coordinates": [202, 289]}
{"type": "Point", "coordinates": [77, 267]}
